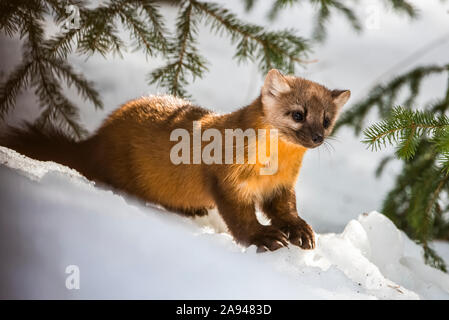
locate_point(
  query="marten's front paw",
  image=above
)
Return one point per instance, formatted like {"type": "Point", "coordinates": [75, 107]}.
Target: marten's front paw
{"type": "Point", "coordinates": [300, 234]}
{"type": "Point", "coordinates": [269, 238]}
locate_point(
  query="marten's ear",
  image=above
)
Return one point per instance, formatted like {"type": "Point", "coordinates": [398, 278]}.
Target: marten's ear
{"type": "Point", "coordinates": [275, 84]}
{"type": "Point", "coordinates": [340, 97]}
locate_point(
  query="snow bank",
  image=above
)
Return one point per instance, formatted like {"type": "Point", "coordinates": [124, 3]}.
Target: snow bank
{"type": "Point", "coordinates": [52, 217]}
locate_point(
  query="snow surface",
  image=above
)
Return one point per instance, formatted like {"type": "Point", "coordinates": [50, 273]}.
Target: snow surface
{"type": "Point", "coordinates": [52, 217]}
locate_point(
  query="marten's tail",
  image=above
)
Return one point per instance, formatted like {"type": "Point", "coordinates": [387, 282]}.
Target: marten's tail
{"type": "Point", "coordinates": [49, 144]}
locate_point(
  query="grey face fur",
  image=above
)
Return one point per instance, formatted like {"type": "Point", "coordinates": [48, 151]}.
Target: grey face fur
{"type": "Point", "coordinates": [303, 111]}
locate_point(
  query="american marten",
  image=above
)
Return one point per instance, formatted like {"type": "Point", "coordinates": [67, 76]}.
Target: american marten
{"type": "Point", "coordinates": [132, 152]}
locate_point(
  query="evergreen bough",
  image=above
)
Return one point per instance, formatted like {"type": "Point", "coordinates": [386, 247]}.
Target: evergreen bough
{"type": "Point", "coordinates": [417, 202]}
{"type": "Point", "coordinates": [325, 9]}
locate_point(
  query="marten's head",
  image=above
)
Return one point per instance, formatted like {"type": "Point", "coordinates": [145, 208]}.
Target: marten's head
{"type": "Point", "coordinates": [303, 111]}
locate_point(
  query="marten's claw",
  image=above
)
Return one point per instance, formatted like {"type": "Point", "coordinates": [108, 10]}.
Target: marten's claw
{"type": "Point", "coordinates": [269, 238]}
{"type": "Point", "coordinates": [286, 234]}
{"type": "Point", "coordinates": [301, 235]}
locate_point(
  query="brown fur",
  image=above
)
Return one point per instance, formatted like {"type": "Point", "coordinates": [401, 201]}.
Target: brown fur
{"type": "Point", "coordinates": [131, 150]}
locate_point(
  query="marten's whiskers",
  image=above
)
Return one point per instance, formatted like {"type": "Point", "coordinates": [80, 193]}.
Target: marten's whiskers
{"type": "Point", "coordinates": [328, 146]}
{"type": "Point", "coordinates": [333, 138]}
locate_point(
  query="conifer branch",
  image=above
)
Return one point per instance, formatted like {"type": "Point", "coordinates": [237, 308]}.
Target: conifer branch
{"type": "Point", "coordinates": [384, 96]}
{"type": "Point", "coordinates": [184, 59]}
{"type": "Point", "coordinates": [17, 81]}
{"type": "Point", "coordinates": [324, 13]}
{"type": "Point", "coordinates": [405, 128]}
{"type": "Point", "coordinates": [38, 69]}
{"type": "Point", "coordinates": [403, 7]}
{"type": "Point", "coordinates": [61, 45]}
{"type": "Point", "coordinates": [422, 141]}
{"type": "Point", "coordinates": [65, 72]}
{"type": "Point", "coordinates": [281, 50]}
{"type": "Point", "coordinates": [132, 18]}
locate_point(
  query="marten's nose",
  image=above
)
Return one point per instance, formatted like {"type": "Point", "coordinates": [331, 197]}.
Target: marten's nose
{"type": "Point", "coordinates": [317, 137]}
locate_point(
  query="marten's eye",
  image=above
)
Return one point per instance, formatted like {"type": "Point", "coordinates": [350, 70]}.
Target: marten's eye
{"type": "Point", "coordinates": [326, 123]}
{"type": "Point", "coordinates": [298, 116]}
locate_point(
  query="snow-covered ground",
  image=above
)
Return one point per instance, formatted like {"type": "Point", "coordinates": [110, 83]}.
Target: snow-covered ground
{"type": "Point", "coordinates": [51, 218]}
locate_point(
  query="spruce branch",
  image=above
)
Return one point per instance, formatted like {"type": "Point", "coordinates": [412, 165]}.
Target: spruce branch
{"type": "Point", "coordinates": [441, 105]}
{"type": "Point", "coordinates": [184, 59]}
{"type": "Point", "coordinates": [44, 63]}
{"type": "Point", "coordinates": [324, 13]}
{"type": "Point", "coordinates": [423, 211]}
{"type": "Point", "coordinates": [158, 28]}
{"type": "Point", "coordinates": [422, 141]}
{"type": "Point", "coordinates": [16, 82]}
{"type": "Point", "coordinates": [404, 128]}
{"type": "Point", "coordinates": [278, 6]}
{"type": "Point", "coordinates": [58, 108]}
{"type": "Point", "coordinates": [280, 50]}
{"type": "Point", "coordinates": [40, 70]}
{"type": "Point", "coordinates": [249, 4]}
{"type": "Point", "coordinates": [325, 8]}
{"type": "Point", "coordinates": [143, 40]}
{"type": "Point", "coordinates": [403, 6]}
{"type": "Point", "coordinates": [416, 200]}
{"type": "Point", "coordinates": [13, 14]}
{"type": "Point", "coordinates": [65, 72]}
{"type": "Point", "coordinates": [441, 142]}
{"type": "Point", "coordinates": [433, 259]}
{"type": "Point", "coordinates": [134, 15]}
{"type": "Point", "coordinates": [61, 45]}
{"type": "Point", "coordinates": [100, 33]}
{"type": "Point", "coordinates": [382, 165]}
{"type": "Point", "coordinates": [384, 96]}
